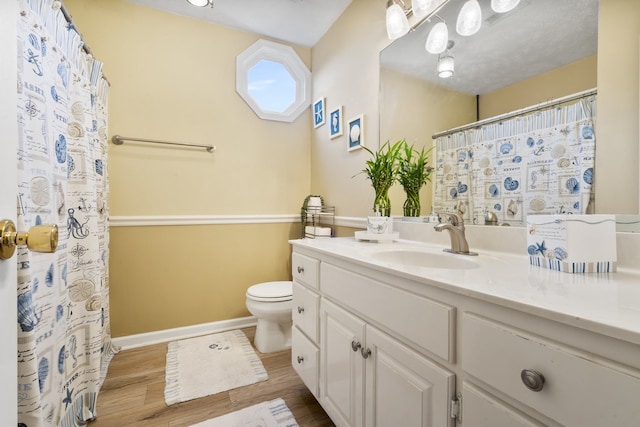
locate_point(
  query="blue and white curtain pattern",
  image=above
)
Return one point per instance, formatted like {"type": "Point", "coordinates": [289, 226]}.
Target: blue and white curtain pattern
{"type": "Point", "coordinates": [539, 163]}
{"type": "Point", "coordinates": [64, 343]}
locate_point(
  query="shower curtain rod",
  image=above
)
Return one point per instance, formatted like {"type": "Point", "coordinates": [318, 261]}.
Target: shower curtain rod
{"type": "Point", "coordinates": [86, 48]}
{"type": "Point", "coordinates": [119, 140]}
{"type": "Point", "coordinates": [520, 112]}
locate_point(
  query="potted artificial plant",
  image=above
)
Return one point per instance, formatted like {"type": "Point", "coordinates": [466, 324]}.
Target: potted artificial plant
{"type": "Point", "coordinates": [382, 171]}
{"type": "Point", "coordinates": [413, 173]}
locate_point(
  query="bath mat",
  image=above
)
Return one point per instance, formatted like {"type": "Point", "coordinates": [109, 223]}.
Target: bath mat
{"type": "Point", "coordinates": [274, 413]}
{"type": "Point", "coordinates": [210, 364]}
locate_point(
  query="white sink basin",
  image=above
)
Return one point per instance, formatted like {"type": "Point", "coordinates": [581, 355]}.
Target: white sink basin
{"type": "Point", "coordinates": [417, 258]}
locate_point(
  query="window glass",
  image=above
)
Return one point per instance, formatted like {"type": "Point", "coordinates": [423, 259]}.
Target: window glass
{"type": "Point", "coordinates": [271, 85]}
{"type": "Point", "coordinates": [273, 81]}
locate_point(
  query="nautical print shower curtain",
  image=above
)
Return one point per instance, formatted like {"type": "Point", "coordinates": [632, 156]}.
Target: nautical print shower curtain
{"type": "Point", "coordinates": [538, 163]}
{"type": "Point", "coordinates": [64, 343]}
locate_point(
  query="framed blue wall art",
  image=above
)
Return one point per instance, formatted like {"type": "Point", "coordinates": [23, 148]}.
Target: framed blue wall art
{"type": "Point", "coordinates": [335, 122]}
{"type": "Point", "coordinates": [356, 132]}
{"type": "Point", "coordinates": [318, 113]}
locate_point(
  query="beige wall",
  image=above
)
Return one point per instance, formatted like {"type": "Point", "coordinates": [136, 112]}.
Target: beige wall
{"type": "Point", "coordinates": [572, 78]}
{"type": "Point", "coordinates": [345, 71]}
{"type": "Point", "coordinates": [617, 156]}
{"type": "Point", "coordinates": [414, 109]}
{"type": "Point", "coordinates": [173, 78]}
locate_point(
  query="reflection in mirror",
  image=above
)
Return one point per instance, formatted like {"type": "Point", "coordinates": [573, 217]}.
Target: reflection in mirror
{"type": "Point", "coordinates": [511, 63]}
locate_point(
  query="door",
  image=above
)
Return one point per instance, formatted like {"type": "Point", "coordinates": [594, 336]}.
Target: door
{"type": "Point", "coordinates": [404, 388]}
{"type": "Point", "coordinates": [8, 186]}
{"type": "Point", "coordinates": [341, 365]}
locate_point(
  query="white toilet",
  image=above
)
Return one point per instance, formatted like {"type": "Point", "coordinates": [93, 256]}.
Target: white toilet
{"type": "Point", "coordinates": [271, 303]}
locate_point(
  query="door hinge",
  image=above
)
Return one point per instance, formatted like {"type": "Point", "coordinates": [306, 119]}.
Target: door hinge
{"type": "Point", "coordinates": [456, 408]}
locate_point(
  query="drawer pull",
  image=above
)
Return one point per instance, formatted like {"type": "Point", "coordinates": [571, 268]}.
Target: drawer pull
{"type": "Point", "coordinates": [300, 309]}
{"type": "Point", "coordinates": [300, 360]}
{"type": "Point", "coordinates": [365, 353]}
{"type": "Point", "coordinates": [355, 346]}
{"type": "Point", "coordinates": [300, 270]}
{"type": "Point", "coordinates": [533, 380]}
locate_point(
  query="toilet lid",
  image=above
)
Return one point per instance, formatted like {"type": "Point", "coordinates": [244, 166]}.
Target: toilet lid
{"type": "Point", "coordinates": [271, 291]}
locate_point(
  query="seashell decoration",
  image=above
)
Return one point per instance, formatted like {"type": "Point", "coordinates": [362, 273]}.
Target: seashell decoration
{"type": "Point", "coordinates": [494, 190]}
{"type": "Point", "coordinates": [484, 162]}
{"type": "Point", "coordinates": [43, 372]}
{"type": "Point", "coordinates": [94, 303]}
{"type": "Point", "coordinates": [587, 176]}
{"type": "Point", "coordinates": [75, 130]}
{"type": "Point", "coordinates": [537, 205]}
{"type": "Point", "coordinates": [573, 185]}
{"type": "Point", "coordinates": [39, 189]}
{"type": "Point", "coordinates": [81, 289]}
{"type": "Point", "coordinates": [564, 163]}
{"type": "Point", "coordinates": [511, 184]}
{"type": "Point", "coordinates": [77, 111]}
{"type": "Point", "coordinates": [27, 317]}
{"type": "Point", "coordinates": [506, 148]}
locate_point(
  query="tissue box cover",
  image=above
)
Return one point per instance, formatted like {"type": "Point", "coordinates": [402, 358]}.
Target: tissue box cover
{"type": "Point", "coordinates": [572, 243]}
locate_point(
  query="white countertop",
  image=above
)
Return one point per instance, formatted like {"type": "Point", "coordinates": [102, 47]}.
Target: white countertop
{"type": "Point", "coordinates": [606, 303]}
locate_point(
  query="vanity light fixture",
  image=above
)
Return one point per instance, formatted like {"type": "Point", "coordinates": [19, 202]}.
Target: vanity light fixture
{"type": "Point", "coordinates": [446, 65]}
{"type": "Point", "coordinates": [397, 22]}
{"type": "Point", "coordinates": [503, 6]}
{"type": "Point", "coordinates": [201, 3]}
{"type": "Point", "coordinates": [437, 39]}
{"type": "Point", "coordinates": [469, 18]}
{"type": "Point", "coordinates": [422, 8]}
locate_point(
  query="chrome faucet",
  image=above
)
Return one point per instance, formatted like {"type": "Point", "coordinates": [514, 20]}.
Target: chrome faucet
{"type": "Point", "coordinates": [455, 227]}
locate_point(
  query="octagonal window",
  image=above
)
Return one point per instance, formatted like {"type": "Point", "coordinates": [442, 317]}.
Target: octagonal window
{"type": "Point", "coordinates": [271, 85]}
{"type": "Point", "coordinates": [273, 81]}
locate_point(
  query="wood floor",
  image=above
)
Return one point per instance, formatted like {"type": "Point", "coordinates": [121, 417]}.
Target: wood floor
{"type": "Point", "coordinates": [133, 392]}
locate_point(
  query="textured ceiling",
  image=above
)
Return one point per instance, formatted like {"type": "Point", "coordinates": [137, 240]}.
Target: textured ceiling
{"type": "Point", "coordinates": [537, 36]}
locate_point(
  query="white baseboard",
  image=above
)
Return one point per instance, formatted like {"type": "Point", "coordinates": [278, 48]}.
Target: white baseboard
{"type": "Point", "coordinates": [156, 337]}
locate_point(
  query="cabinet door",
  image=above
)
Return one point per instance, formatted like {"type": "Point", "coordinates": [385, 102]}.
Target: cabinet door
{"type": "Point", "coordinates": [341, 365]}
{"type": "Point", "coordinates": [403, 388]}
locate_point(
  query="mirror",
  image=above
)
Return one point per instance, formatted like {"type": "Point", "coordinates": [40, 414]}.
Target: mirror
{"type": "Point", "coordinates": [509, 48]}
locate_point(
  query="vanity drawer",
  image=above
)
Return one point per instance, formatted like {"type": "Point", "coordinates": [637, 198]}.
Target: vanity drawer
{"type": "Point", "coordinates": [424, 322]}
{"type": "Point", "coordinates": [304, 359]}
{"type": "Point", "coordinates": [305, 310]}
{"type": "Point", "coordinates": [579, 389]}
{"type": "Point", "coordinates": [305, 269]}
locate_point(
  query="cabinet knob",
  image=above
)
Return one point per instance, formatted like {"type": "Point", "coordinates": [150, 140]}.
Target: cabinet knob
{"type": "Point", "coordinates": [300, 360]}
{"type": "Point", "coordinates": [300, 270]}
{"type": "Point", "coordinates": [300, 309]}
{"type": "Point", "coordinates": [355, 346]}
{"type": "Point", "coordinates": [533, 380]}
{"type": "Point", "coordinates": [365, 353]}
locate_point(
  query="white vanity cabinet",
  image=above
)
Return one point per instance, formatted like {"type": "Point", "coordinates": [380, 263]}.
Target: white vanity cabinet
{"type": "Point", "coordinates": [397, 349]}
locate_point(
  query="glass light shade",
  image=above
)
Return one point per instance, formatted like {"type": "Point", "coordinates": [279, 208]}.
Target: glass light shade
{"type": "Point", "coordinates": [397, 23]}
{"type": "Point", "coordinates": [446, 65]}
{"type": "Point", "coordinates": [469, 18]}
{"type": "Point", "coordinates": [504, 6]}
{"type": "Point", "coordinates": [199, 3]}
{"type": "Point", "coordinates": [437, 39]}
{"type": "Point", "coordinates": [422, 8]}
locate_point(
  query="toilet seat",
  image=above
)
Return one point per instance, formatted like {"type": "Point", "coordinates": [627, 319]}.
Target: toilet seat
{"type": "Point", "coordinates": [271, 291]}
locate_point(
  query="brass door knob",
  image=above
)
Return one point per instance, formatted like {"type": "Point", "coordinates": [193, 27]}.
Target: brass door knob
{"type": "Point", "coordinates": [39, 238]}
